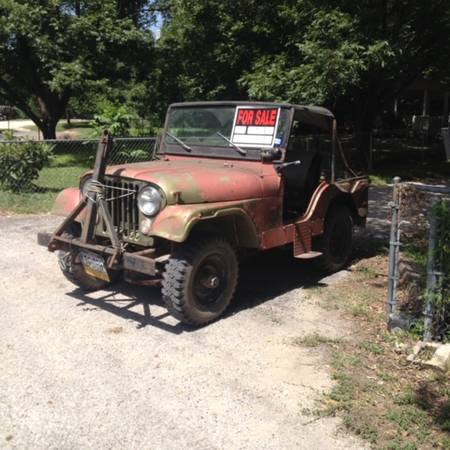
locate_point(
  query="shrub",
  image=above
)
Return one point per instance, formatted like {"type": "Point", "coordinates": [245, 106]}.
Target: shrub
{"type": "Point", "coordinates": [442, 299]}
{"type": "Point", "coordinates": [20, 164]}
{"type": "Point", "coordinates": [115, 118]}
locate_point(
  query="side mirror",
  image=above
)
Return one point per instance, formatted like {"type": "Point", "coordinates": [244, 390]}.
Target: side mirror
{"type": "Point", "coordinates": [271, 154]}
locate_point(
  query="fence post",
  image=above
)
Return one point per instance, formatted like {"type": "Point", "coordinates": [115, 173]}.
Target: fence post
{"type": "Point", "coordinates": [432, 273]}
{"type": "Point", "coordinates": [394, 246]}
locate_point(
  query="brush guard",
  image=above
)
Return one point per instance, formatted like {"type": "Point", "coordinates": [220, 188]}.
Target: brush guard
{"type": "Point", "coordinates": [93, 202]}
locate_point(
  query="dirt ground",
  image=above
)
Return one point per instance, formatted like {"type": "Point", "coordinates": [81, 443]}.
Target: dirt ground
{"type": "Point", "coordinates": [114, 370]}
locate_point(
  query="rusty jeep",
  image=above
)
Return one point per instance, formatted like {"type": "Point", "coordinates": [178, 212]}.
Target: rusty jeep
{"type": "Point", "coordinates": [225, 178]}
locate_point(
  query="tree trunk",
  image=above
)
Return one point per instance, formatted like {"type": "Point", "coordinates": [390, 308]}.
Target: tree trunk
{"type": "Point", "coordinates": [51, 107]}
{"type": "Point", "coordinates": [363, 129]}
{"type": "Point", "coordinates": [48, 130]}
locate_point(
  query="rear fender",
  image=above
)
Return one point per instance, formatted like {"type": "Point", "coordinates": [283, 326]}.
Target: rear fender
{"type": "Point", "coordinates": [355, 197]}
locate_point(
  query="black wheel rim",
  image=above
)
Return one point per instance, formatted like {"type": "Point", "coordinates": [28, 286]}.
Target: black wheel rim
{"type": "Point", "coordinates": [209, 282]}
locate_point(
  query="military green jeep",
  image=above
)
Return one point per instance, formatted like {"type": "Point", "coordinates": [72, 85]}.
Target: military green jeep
{"type": "Point", "coordinates": [225, 177]}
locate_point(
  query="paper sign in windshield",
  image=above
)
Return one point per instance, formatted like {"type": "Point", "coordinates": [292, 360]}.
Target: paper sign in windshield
{"type": "Point", "coordinates": [255, 127]}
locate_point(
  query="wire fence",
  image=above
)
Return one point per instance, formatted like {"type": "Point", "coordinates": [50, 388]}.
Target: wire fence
{"type": "Point", "coordinates": [29, 180]}
{"type": "Point", "coordinates": [33, 172]}
{"type": "Point", "coordinates": [419, 260]}
{"type": "Point", "coordinates": [75, 153]}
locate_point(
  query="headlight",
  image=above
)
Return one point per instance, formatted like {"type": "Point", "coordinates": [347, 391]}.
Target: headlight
{"type": "Point", "coordinates": [85, 185]}
{"type": "Point", "coordinates": [149, 201]}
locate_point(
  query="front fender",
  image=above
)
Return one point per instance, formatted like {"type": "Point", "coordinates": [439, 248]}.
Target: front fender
{"type": "Point", "coordinates": [66, 201]}
{"type": "Point", "coordinates": [176, 221]}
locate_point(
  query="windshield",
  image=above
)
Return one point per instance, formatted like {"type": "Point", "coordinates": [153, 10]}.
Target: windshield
{"type": "Point", "coordinates": [231, 127]}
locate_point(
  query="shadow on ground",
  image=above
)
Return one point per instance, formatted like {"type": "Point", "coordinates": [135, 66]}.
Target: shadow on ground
{"type": "Point", "coordinates": [263, 277]}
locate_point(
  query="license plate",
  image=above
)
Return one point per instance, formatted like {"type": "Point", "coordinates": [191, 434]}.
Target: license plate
{"type": "Point", "coordinates": [94, 265]}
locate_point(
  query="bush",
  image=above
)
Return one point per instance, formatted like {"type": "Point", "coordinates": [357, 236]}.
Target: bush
{"type": "Point", "coordinates": [20, 164]}
{"type": "Point", "coordinates": [442, 298]}
{"type": "Point", "coordinates": [115, 118]}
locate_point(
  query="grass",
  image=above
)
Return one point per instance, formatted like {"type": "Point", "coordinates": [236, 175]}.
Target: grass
{"type": "Point", "coordinates": [313, 340]}
{"type": "Point", "coordinates": [427, 170]}
{"type": "Point", "coordinates": [64, 171]}
{"type": "Point", "coordinates": [380, 397]}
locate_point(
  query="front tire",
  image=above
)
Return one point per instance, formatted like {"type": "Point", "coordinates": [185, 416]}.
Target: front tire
{"type": "Point", "coordinates": [72, 268]}
{"type": "Point", "coordinates": [199, 280]}
{"type": "Point", "coordinates": [337, 240]}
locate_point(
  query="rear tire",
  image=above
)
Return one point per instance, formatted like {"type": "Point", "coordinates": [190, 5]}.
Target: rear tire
{"type": "Point", "coordinates": [72, 268]}
{"type": "Point", "coordinates": [199, 280]}
{"type": "Point", "coordinates": [337, 240]}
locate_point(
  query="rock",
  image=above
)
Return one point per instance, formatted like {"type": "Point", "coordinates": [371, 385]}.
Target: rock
{"type": "Point", "coordinates": [400, 347]}
{"type": "Point", "coordinates": [431, 354]}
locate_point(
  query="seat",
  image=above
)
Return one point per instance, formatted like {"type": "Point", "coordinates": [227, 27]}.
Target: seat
{"type": "Point", "coordinates": [300, 181]}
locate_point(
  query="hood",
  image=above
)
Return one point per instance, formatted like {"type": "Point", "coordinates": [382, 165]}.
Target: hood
{"type": "Point", "coordinates": [202, 180]}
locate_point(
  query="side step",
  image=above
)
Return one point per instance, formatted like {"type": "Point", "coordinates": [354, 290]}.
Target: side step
{"type": "Point", "coordinates": [303, 242]}
{"type": "Point", "coordinates": [308, 255]}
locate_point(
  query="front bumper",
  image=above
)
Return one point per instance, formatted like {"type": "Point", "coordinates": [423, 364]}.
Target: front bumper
{"type": "Point", "coordinates": [144, 262]}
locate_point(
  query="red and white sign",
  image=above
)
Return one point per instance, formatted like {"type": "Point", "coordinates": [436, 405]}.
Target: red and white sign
{"type": "Point", "coordinates": [254, 126]}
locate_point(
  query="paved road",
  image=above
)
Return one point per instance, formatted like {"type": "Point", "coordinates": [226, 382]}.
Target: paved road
{"type": "Point", "coordinates": [113, 370]}
{"type": "Point", "coordinates": [25, 128]}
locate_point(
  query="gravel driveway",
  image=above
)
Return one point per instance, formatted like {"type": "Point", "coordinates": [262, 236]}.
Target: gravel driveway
{"type": "Point", "coordinates": [112, 370]}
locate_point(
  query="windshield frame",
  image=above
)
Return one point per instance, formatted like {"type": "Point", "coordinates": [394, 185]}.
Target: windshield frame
{"type": "Point", "coordinates": [223, 152]}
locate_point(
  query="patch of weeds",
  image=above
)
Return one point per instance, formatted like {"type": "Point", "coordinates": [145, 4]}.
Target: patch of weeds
{"type": "Point", "coordinates": [443, 418]}
{"type": "Point", "coordinates": [343, 393]}
{"type": "Point", "coordinates": [361, 427]}
{"type": "Point", "coordinates": [385, 376]}
{"type": "Point", "coordinates": [445, 443]}
{"type": "Point", "coordinates": [313, 340]}
{"type": "Point", "coordinates": [409, 397]}
{"type": "Point", "coordinates": [359, 310]}
{"type": "Point", "coordinates": [410, 419]}
{"type": "Point", "coordinates": [379, 396]}
{"type": "Point", "coordinates": [354, 360]}
{"type": "Point", "coordinates": [372, 347]}
{"type": "Point", "coordinates": [366, 271]}
{"type": "Point", "coordinates": [343, 361]}
{"type": "Point", "coordinates": [380, 180]}
{"type": "Point", "coordinates": [397, 444]}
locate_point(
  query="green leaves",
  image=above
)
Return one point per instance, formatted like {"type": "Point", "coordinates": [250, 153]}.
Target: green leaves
{"type": "Point", "coordinates": [115, 118]}
{"type": "Point", "coordinates": [56, 49]}
{"type": "Point", "coordinates": [323, 63]}
{"type": "Point", "coordinates": [354, 56]}
{"type": "Point", "coordinates": [20, 164]}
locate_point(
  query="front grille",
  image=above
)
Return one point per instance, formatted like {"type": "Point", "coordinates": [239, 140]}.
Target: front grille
{"type": "Point", "coordinates": [123, 208]}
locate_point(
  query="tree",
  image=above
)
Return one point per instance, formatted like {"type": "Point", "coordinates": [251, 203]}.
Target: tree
{"type": "Point", "coordinates": [207, 45]}
{"type": "Point", "coordinates": [354, 56]}
{"type": "Point", "coordinates": [52, 50]}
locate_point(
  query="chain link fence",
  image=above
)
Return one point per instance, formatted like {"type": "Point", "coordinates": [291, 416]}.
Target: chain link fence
{"type": "Point", "coordinates": [33, 172]}
{"type": "Point", "coordinates": [420, 259]}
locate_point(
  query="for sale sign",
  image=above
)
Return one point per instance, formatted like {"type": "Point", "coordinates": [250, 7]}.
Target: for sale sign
{"type": "Point", "coordinates": [254, 126]}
